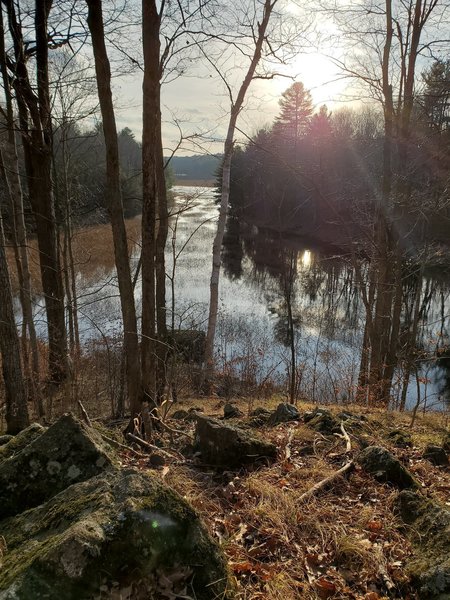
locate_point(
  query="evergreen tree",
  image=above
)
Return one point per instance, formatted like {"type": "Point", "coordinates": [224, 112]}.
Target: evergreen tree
{"type": "Point", "coordinates": [436, 99]}
{"type": "Point", "coordinates": [295, 116]}
{"type": "Point", "coordinates": [321, 126]}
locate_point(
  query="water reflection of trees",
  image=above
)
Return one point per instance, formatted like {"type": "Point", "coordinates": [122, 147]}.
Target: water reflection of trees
{"type": "Point", "coordinates": [314, 297]}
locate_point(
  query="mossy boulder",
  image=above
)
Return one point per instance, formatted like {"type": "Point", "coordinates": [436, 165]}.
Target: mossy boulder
{"type": "Point", "coordinates": [231, 411]}
{"type": "Point", "coordinates": [322, 421]}
{"type": "Point", "coordinates": [226, 446]}
{"type": "Point", "coordinates": [436, 455]}
{"type": "Point", "coordinates": [19, 441]}
{"type": "Point", "coordinates": [399, 438]}
{"type": "Point", "coordinates": [67, 452]}
{"type": "Point", "coordinates": [120, 534]}
{"type": "Point", "coordinates": [429, 530]}
{"type": "Point", "coordinates": [283, 414]}
{"type": "Point", "coordinates": [385, 467]}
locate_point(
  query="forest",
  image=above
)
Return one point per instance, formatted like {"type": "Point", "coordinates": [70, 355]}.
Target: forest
{"type": "Point", "coordinates": [224, 299]}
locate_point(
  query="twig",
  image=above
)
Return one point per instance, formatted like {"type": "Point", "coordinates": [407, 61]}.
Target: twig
{"type": "Point", "coordinates": [347, 468]}
{"type": "Point", "coordinates": [117, 444]}
{"type": "Point", "coordinates": [152, 447]}
{"type": "Point", "coordinates": [172, 430]}
{"type": "Point", "coordinates": [84, 414]}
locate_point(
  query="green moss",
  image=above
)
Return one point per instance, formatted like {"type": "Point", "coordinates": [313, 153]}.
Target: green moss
{"type": "Point", "coordinates": [120, 527]}
{"type": "Point", "coordinates": [19, 441]}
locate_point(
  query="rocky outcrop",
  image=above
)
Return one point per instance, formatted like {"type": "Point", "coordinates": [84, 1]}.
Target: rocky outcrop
{"type": "Point", "coordinates": [93, 530]}
{"type": "Point", "coordinates": [429, 530]}
{"type": "Point", "coordinates": [385, 467]}
{"type": "Point", "coordinates": [226, 446]}
{"type": "Point", "coordinates": [66, 453]}
{"type": "Point", "coordinates": [120, 534]}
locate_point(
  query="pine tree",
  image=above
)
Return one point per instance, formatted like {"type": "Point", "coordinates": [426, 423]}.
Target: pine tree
{"type": "Point", "coordinates": [436, 99]}
{"type": "Point", "coordinates": [295, 116]}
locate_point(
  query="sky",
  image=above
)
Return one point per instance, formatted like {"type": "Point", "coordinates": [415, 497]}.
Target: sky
{"type": "Point", "coordinates": [200, 104]}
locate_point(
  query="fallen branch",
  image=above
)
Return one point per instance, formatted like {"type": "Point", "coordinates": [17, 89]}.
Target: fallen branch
{"type": "Point", "coordinates": [347, 439]}
{"type": "Point", "coordinates": [120, 446]}
{"type": "Point", "coordinates": [84, 414]}
{"type": "Point", "coordinates": [153, 448]}
{"type": "Point", "coordinates": [172, 430]}
{"type": "Point", "coordinates": [347, 468]}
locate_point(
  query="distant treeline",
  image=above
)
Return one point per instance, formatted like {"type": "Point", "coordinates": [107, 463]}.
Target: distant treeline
{"type": "Point", "coordinates": [319, 174]}
{"type": "Point", "coordinates": [195, 167]}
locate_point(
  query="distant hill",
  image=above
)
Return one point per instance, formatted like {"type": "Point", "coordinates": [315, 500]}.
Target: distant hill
{"type": "Point", "coordinates": [195, 168]}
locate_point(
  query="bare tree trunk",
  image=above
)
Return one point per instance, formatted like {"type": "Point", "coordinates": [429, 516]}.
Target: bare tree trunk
{"type": "Point", "coordinates": [15, 390]}
{"type": "Point", "coordinates": [152, 194]}
{"type": "Point", "coordinates": [160, 264]}
{"type": "Point", "coordinates": [236, 106]}
{"type": "Point", "coordinates": [114, 199]}
{"type": "Point", "coordinates": [12, 178]}
{"type": "Point", "coordinates": [38, 159]}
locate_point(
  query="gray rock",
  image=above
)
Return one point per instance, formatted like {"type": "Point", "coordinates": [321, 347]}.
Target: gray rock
{"type": "Point", "coordinates": [226, 446]}
{"type": "Point", "coordinates": [436, 455]}
{"type": "Point", "coordinates": [385, 467]}
{"type": "Point", "coordinates": [66, 453]}
{"type": "Point", "coordinates": [19, 441]}
{"type": "Point", "coordinates": [231, 411]}
{"type": "Point", "coordinates": [120, 534]}
{"type": "Point", "coordinates": [399, 438]}
{"type": "Point", "coordinates": [283, 414]}
{"type": "Point", "coordinates": [429, 530]}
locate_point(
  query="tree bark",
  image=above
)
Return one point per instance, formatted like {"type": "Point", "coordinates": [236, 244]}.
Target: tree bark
{"type": "Point", "coordinates": [37, 150]}
{"type": "Point", "coordinates": [15, 391]}
{"type": "Point", "coordinates": [152, 202]}
{"type": "Point", "coordinates": [115, 207]}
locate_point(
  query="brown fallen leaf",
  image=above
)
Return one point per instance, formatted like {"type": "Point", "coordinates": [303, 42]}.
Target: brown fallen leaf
{"type": "Point", "coordinates": [325, 588]}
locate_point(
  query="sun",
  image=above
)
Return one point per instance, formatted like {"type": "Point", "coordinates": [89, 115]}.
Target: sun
{"type": "Point", "coordinates": [319, 75]}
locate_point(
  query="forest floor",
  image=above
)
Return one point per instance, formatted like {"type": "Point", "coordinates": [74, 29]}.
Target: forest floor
{"type": "Point", "coordinates": [344, 542]}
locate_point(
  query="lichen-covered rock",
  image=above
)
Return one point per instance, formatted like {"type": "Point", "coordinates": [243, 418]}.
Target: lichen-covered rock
{"type": "Point", "coordinates": [399, 438]}
{"type": "Point", "coordinates": [429, 568]}
{"type": "Point", "coordinates": [436, 455]}
{"type": "Point", "coordinates": [226, 446]}
{"type": "Point", "coordinates": [385, 467]}
{"type": "Point", "coordinates": [120, 534]}
{"type": "Point", "coordinates": [231, 411]}
{"type": "Point", "coordinates": [66, 453]}
{"type": "Point", "coordinates": [19, 441]}
{"type": "Point", "coordinates": [283, 414]}
{"type": "Point", "coordinates": [322, 421]}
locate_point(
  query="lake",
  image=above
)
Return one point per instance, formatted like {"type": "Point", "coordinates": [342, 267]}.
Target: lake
{"type": "Point", "coordinates": [261, 272]}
